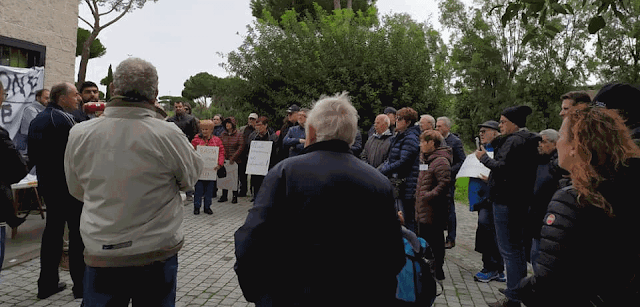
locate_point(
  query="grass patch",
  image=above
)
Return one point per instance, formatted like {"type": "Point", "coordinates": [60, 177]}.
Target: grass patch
{"type": "Point", "coordinates": [462, 190]}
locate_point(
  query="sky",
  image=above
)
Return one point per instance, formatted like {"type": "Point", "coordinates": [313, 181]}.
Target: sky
{"type": "Point", "coordinates": [183, 38]}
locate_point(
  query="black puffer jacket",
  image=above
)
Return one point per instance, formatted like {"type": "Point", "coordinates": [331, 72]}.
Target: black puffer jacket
{"type": "Point", "coordinates": [513, 167]}
{"type": "Point", "coordinates": [586, 257]}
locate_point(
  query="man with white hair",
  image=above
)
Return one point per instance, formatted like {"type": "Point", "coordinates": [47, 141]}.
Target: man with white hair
{"type": "Point", "coordinates": [129, 168]}
{"type": "Point", "coordinates": [427, 122]}
{"type": "Point", "coordinates": [376, 150]}
{"type": "Point", "coordinates": [443, 124]}
{"type": "Point", "coordinates": [302, 243]}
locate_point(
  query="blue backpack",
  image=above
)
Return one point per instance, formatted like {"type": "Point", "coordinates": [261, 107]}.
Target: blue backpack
{"type": "Point", "coordinates": [416, 281]}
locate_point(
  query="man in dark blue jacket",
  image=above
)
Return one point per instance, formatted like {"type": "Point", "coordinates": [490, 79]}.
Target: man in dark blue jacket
{"type": "Point", "coordinates": [443, 124]}
{"type": "Point", "coordinates": [323, 230]}
{"type": "Point", "coordinates": [513, 173]}
{"type": "Point", "coordinates": [48, 134]}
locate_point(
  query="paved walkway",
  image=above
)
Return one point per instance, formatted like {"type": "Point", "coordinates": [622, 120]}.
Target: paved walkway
{"type": "Point", "coordinates": [206, 276]}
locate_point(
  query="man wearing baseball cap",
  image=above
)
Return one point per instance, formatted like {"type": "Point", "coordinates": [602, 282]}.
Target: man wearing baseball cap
{"type": "Point", "coordinates": [242, 167]}
{"type": "Point", "coordinates": [625, 98]}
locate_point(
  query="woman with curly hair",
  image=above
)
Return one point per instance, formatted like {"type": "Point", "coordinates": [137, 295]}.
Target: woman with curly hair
{"type": "Point", "coordinates": [589, 251]}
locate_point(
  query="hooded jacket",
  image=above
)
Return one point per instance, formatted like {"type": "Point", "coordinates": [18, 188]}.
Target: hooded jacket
{"type": "Point", "coordinates": [586, 257]}
{"type": "Point", "coordinates": [432, 193]}
{"type": "Point", "coordinates": [403, 160]}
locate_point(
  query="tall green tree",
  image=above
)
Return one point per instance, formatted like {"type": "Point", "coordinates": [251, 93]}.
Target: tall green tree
{"type": "Point", "coordinates": [99, 9]}
{"type": "Point", "coordinates": [398, 62]}
{"type": "Point", "coordinates": [106, 81]}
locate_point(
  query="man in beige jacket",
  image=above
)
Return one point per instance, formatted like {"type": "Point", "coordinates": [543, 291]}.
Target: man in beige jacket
{"type": "Point", "coordinates": [129, 168]}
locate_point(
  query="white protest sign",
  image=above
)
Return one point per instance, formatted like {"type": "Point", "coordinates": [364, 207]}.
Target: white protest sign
{"type": "Point", "coordinates": [231, 181]}
{"type": "Point", "coordinates": [473, 168]}
{"type": "Point", "coordinates": [259, 157]}
{"type": "Point", "coordinates": [21, 85]}
{"type": "Point", "coordinates": [209, 155]}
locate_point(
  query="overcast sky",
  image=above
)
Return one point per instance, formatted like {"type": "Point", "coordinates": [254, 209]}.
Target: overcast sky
{"type": "Point", "coordinates": [182, 38]}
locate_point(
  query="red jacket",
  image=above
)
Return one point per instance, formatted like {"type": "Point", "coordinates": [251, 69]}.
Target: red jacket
{"type": "Point", "coordinates": [213, 141]}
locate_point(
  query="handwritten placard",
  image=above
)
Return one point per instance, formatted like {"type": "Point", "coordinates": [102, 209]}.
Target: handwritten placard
{"type": "Point", "coordinates": [259, 157]}
{"type": "Point", "coordinates": [210, 156]}
{"type": "Point", "coordinates": [473, 168]}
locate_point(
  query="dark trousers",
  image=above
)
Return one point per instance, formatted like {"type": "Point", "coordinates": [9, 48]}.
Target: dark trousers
{"type": "Point", "coordinates": [435, 237]}
{"type": "Point", "coordinates": [486, 240]}
{"type": "Point", "coordinates": [452, 224]}
{"type": "Point", "coordinates": [256, 182]}
{"type": "Point", "coordinates": [61, 209]}
{"type": "Point", "coordinates": [150, 285]}
{"type": "Point", "coordinates": [242, 176]}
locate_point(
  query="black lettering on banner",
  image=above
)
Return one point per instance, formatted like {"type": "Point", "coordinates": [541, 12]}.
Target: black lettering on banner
{"type": "Point", "coordinates": [6, 112]}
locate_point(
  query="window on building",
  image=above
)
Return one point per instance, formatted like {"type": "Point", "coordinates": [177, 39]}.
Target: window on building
{"type": "Point", "coordinates": [19, 53]}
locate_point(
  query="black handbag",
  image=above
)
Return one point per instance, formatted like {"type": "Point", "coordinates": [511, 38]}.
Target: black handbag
{"type": "Point", "coordinates": [222, 172]}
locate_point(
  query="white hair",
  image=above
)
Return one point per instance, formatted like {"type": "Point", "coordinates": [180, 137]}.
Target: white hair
{"type": "Point", "coordinates": [334, 118]}
{"type": "Point", "coordinates": [446, 121]}
{"type": "Point", "coordinates": [429, 118]}
{"type": "Point", "coordinates": [551, 134]}
{"type": "Point", "coordinates": [137, 78]}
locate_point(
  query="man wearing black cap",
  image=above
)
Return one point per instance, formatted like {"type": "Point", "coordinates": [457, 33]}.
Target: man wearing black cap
{"type": "Point", "coordinates": [492, 264]}
{"type": "Point", "coordinates": [626, 99]}
{"type": "Point", "coordinates": [513, 173]}
{"type": "Point", "coordinates": [292, 120]}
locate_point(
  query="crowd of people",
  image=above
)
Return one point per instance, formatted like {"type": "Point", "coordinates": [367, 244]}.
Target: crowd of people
{"type": "Point", "coordinates": [327, 222]}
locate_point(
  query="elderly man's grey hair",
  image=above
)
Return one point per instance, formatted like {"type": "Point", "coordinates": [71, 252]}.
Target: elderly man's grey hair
{"type": "Point", "coordinates": [551, 134]}
{"type": "Point", "coordinates": [429, 118]}
{"type": "Point", "coordinates": [446, 120]}
{"type": "Point", "coordinates": [334, 118]}
{"type": "Point", "coordinates": [136, 78]}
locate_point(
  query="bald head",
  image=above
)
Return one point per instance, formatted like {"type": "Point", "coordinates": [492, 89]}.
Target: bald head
{"type": "Point", "coordinates": [381, 123]}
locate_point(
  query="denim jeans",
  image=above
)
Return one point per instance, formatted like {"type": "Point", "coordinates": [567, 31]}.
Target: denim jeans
{"type": "Point", "coordinates": [510, 221]}
{"type": "Point", "coordinates": [150, 285]}
{"type": "Point", "coordinates": [204, 188]}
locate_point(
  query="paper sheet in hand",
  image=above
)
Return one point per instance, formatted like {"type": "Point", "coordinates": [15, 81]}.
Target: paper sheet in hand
{"type": "Point", "coordinates": [472, 167]}
{"type": "Point", "coordinates": [210, 156]}
{"type": "Point", "coordinates": [231, 181]}
{"type": "Point", "coordinates": [259, 156]}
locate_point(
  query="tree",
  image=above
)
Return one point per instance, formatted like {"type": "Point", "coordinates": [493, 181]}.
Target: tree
{"type": "Point", "coordinates": [95, 51]}
{"type": "Point", "coordinates": [200, 88]}
{"type": "Point", "coordinates": [541, 11]}
{"type": "Point", "coordinates": [277, 8]}
{"type": "Point", "coordinates": [100, 8]}
{"type": "Point", "coordinates": [106, 81]}
{"type": "Point", "coordinates": [398, 62]}
{"type": "Point", "coordinates": [618, 48]}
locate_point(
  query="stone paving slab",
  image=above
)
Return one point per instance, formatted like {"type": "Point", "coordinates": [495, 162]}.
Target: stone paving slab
{"type": "Point", "coordinates": [206, 276]}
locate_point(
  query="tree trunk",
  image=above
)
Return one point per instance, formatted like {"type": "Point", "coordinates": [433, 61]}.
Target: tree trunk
{"type": "Point", "coordinates": [84, 58]}
{"type": "Point", "coordinates": [349, 4]}
{"type": "Point", "coordinates": [336, 4]}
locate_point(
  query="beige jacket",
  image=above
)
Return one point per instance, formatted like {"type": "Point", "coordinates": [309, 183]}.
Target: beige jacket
{"type": "Point", "coordinates": [128, 168]}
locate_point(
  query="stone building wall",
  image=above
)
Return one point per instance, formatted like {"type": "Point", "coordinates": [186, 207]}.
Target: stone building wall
{"type": "Point", "coordinates": [51, 23]}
